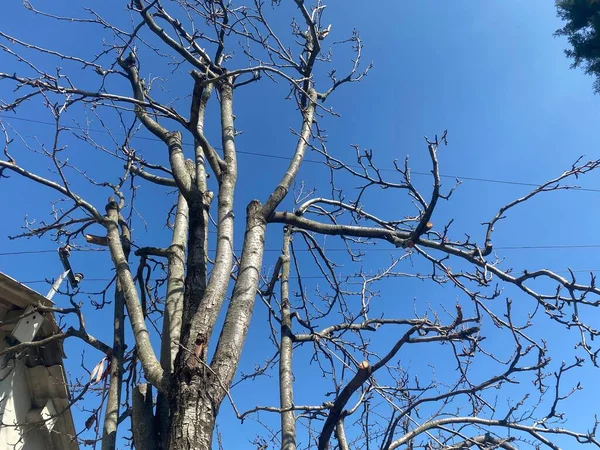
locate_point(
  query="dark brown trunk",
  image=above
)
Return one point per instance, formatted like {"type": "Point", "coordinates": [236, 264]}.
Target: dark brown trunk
{"type": "Point", "coordinates": [195, 280]}
{"type": "Point", "coordinates": [193, 413]}
{"type": "Point", "coordinates": [192, 408]}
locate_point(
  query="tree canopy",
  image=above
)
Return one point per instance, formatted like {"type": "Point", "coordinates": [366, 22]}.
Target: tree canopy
{"type": "Point", "coordinates": [582, 29]}
{"type": "Point", "coordinates": [336, 299]}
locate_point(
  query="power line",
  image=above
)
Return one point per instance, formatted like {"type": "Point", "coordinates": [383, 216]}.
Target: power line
{"type": "Point", "coordinates": [307, 160]}
{"type": "Point", "coordinates": [50, 282]}
{"type": "Point", "coordinates": [378, 249]}
{"type": "Point", "coordinates": [110, 279]}
{"type": "Point", "coordinates": [302, 277]}
{"type": "Point", "coordinates": [28, 252]}
{"type": "Point", "coordinates": [341, 249]}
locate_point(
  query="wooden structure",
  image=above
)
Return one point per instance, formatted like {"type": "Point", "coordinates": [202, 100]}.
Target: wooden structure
{"type": "Point", "coordinates": [34, 397]}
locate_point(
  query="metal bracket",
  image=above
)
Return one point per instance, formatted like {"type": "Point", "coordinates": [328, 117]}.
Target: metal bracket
{"type": "Point", "coordinates": [74, 278]}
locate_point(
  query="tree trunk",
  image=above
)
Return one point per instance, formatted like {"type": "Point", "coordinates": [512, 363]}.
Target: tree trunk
{"type": "Point", "coordinates": [172, 319]}
{"type": "Point", "coordinates": [142, 418]}
{"type": "Point", "coordinates": [286, 375]}
{"type": "Point", "coordinates": [193, 413]}
{"type": "Point", "coordinates": [197, 390]}
{"type": "Point", "coordinates": [113, 402]}
{"type": "Point", "coordinates": [192, 417]}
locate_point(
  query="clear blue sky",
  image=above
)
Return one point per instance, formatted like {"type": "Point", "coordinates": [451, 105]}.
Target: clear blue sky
{"type": "Point", "coordinates": [491, 73]}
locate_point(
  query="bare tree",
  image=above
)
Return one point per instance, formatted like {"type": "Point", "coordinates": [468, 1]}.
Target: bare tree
{"type": "Point", "coordinates": [171, 395]}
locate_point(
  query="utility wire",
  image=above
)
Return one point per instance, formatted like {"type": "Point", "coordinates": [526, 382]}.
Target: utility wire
{"type": "Point", "coordinates": [28, 252]}
{"type": "Point", "coordinates": [303, 277]}
{"type": "Point", "coordinates": [306, 160]}
{"type": "Point", "coordinates": [340, 249]}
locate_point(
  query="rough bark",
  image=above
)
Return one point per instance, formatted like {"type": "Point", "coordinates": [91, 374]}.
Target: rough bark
{"type": "Point", "coordinates": [198, 389]}
{"type": "Point", "coordinates": [144, 436]}
{"type": "Point", "coordinates": [171, 330]}
{"type": "Point", "coordinates": [187, 430]}
{"type": "Point", "coordinates": [194, 383]}
{"type": "Point", "coordinates": [193, 414]}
